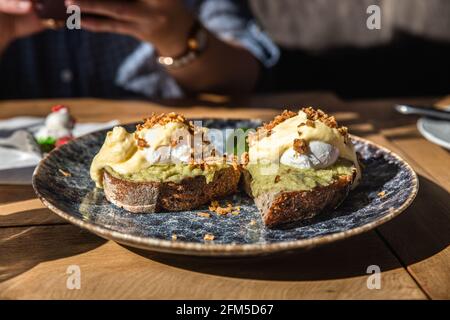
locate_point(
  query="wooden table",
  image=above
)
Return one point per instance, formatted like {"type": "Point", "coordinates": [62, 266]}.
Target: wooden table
{"type": "Point", "coordinates": [36, 246]}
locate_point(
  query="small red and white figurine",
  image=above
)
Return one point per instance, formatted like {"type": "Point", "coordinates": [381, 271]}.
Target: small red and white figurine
{"type": "Point", "coordinates": [58, 127]}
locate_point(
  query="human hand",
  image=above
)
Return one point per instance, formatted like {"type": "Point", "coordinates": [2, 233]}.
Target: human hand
{"type": "Point", "coordinates": [17, 19]}
{"type": "Point", "coordinates": [164, 23]}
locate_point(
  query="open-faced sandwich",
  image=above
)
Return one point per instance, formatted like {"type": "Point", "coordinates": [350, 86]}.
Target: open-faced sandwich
{"type": "Point", "coordinates": [167, 164]}
{"type": "Point", "coordinates": [299, 165]}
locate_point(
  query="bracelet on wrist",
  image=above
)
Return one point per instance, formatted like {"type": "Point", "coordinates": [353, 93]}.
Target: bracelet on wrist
{"type": "Point", "coordinates": [195, 45]}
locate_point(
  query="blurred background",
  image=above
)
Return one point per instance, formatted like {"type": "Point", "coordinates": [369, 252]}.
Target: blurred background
{"type": "Point", "coordinates": [326, 46]}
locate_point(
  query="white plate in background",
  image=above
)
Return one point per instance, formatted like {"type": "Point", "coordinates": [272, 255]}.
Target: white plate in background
{"type": "Point", "coordinates": [436, 131]}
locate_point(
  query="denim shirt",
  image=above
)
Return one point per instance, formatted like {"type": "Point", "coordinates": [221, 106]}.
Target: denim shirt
{"type": "Point", "coordinates": [77, 63]}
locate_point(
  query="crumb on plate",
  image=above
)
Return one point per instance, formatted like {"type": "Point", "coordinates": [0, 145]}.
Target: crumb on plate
{"type": "Point", "coordinates": [229, 208]}
{"type": "Point", "coordinates": [65, 173]}
{"type": "Point", "coordinates": [204, 214]}
{"type": "Point", "coordinates": [208, 237]}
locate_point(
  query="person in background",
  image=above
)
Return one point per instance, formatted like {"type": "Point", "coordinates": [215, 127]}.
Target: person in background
{"type": "Point", "coordinates": [142, 48]}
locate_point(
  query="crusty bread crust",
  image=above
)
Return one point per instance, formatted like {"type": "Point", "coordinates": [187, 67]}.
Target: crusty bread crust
{"type": "Point", "coordinates": [149, 197]}
{"type": "Point", "coordinates": [286, 207]}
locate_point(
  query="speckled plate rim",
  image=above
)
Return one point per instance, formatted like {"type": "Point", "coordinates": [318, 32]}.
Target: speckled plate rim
{"type": "Point", "coordinates": [211, 249]}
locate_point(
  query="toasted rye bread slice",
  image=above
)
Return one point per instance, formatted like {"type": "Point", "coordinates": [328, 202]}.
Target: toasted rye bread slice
{"type": "Point", "coordinates": [149, 197]}
{"type": "Point", "coordinates": [278, 208]}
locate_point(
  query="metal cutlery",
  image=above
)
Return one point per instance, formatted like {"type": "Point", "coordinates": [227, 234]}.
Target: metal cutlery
{"type": "Point", "coordinates": [423, 111]}
{"type": "Point", "coordinates": [21, 140]}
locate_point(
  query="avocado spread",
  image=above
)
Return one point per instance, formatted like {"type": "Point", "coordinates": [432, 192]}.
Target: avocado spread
{"type": "Point", "coordinates": [287, 178]}
{"type": "Point", "coordinates": [170, 172]}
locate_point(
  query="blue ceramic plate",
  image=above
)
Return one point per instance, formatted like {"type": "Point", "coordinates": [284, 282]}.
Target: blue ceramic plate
{"type": "Point", "coordinates": [62, 182]}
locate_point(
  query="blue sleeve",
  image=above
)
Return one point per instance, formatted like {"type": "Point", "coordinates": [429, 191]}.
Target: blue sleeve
{"type": "Point", "coordinates": [232, 21]}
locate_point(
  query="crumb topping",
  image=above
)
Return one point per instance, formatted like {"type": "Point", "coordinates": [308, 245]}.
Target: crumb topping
{"type": "Point", "coordinates": [209, 153]}
{"type": "Point", "coordinates": [343, 131]}
{"type": "Point", "coordinates": [245, 158]}
{"type": "Point", "coordinates": [142, 143]}
{"type": "Point", "coordinates": [201, 163]}
{"type": "Point", "coordinates": [312, 115]}
{"type": "Point", "coordinates": [234, 162]}
{"type": "Point", "coordinates": [330, 122]}
{"type": "Point", "coordinates": [310, 123]}
{"type": "Point", "coordinates": [163, 119]}
{"type": "Point", "coordinates": [173, 142]}
{"type": "Point", "coordinates": [300, 146]}
{"type": "Point", "coordinates": [267, 127]}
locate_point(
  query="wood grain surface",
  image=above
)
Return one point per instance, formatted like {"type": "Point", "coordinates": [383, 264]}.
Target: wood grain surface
{"type": "Point", "coordinates": [36, 247]}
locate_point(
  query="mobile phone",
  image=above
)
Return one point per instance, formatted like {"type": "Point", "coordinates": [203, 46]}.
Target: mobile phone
{"type": "Point", "coordinates": [50, 9]}
{"type": "Point", "coordinates": [56, 10]}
